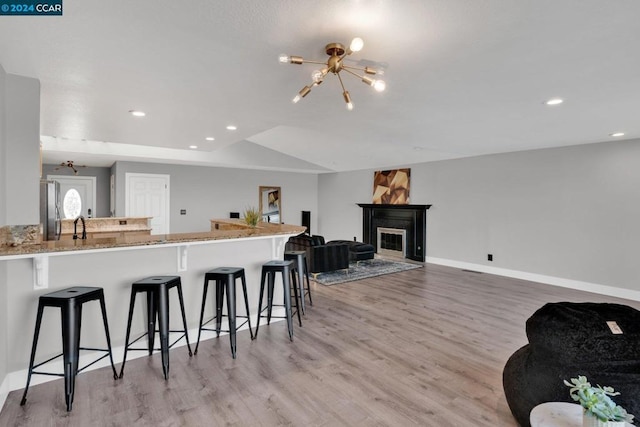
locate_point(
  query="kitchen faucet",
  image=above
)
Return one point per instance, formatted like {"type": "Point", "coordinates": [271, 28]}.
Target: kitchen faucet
{"type": "Point", "coordinates": [84, 228]}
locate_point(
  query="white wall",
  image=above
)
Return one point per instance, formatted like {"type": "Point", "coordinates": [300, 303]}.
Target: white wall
{"type": "Point", "coordinates": [569, 213]}
{"type": "Point", "coordinates": [22, 165]}
{"type": "Point", "coordinates": [3, 221]}
{"type": "Point", "coordinates": [19, 176]}
{"type": "Point", "coordinates": [3, 148]}
{"type": "Point", "coordinates": [208, 192]}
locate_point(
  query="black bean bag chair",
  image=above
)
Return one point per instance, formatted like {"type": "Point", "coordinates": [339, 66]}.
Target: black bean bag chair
{"type": "Point", "coordinates": [570, 339]}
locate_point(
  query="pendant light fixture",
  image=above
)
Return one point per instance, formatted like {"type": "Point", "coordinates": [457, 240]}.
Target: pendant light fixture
{"type": "Point", "coordinates": [335, 64]}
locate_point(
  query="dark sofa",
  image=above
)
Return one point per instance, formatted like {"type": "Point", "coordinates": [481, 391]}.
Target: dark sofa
{"type": "Point", "coordinates": [358, 251]}
{"type": "Point", "coordinates": [320, 256]}
{"type": "Point", "coordinates": [570, 339]}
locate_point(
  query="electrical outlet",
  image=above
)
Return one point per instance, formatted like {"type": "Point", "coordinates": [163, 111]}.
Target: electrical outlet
{"type": "Point", "coordinates": [489, 257]}
{"type": "Point", "coordinates": [183, 211]}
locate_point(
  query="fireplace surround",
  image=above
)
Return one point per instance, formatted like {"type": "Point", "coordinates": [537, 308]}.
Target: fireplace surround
{"type": "Point", "coordinates": [412, 218]}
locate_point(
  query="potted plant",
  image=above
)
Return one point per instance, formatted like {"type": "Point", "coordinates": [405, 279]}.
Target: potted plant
{"type": "Point", "coordinates": [599, 409]}
{"type": "Point", "coordinates": [251, 216]}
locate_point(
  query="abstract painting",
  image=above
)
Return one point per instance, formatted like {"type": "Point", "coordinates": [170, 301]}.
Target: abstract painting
{"type": "Point", "coordinates": [391, 187]}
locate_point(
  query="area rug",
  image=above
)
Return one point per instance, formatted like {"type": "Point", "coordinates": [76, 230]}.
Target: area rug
{"type": "Point", "coordinates": [363, 270]}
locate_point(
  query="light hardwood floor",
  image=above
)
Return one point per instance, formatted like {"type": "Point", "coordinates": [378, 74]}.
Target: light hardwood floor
{"type": "Point", "coordinates": [422, 347]}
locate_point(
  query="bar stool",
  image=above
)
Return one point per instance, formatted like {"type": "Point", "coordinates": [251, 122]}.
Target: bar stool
{"type": "Point", "coordinates": [269, 271]}
{"type": "Point", "coordinates": [300, 266]}
{"type": "Point", "coordinates": [225, 278]}
{"type": "Point", "coordinates": [157, 290]}
{"type": "Point", "coordinates": [70, 302]}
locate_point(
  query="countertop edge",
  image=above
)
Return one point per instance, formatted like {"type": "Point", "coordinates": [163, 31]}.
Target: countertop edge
{"type": "Point", "coordinates": [136, 245]}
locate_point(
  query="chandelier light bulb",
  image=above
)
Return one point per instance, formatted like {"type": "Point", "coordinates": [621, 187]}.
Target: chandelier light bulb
{"type": "Point", "coordinates": [356, 44]}
{"type": "Point", "coordinates": [284, 58]}
{"type": "Point", "coordinates": [317, 76]}
{"type": "Point", "coordinates": [347, 99]}
{"type": "Point", "coordinates": [303, 92]}
{"type": "Point", "coordinates": [379, 85]}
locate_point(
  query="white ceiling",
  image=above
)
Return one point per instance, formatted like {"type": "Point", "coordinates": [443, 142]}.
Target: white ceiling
{"type": "Point", "coordinates": [464, 78]}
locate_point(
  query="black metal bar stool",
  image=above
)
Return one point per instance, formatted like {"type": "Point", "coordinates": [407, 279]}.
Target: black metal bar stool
{"type": "Point", "coordinates": [157, 290]}
{"type": "Point", "coordinates": [225, 278]}
{"type": "Point", "coordinates": [269, 271]}
{"type": "Point", "coordinates": [70, 302]}
{"type": "Point", "coordinates": [300, 267]}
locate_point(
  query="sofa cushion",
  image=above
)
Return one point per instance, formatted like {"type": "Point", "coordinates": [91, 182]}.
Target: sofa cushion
{"type": "Point", "coordinates": [317, 240]}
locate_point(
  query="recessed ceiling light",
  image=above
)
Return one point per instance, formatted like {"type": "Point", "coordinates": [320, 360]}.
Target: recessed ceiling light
{"type": "Point", "coordinates": [554, 101]}
{"type": "Point", "coordinates": [137, 113]}
{"type": "Point", "coordinates": [193, 147]}
{"type": "Point", "coordinates": [616, 134]}
{"type": "Point", "coordinates": [231, 127]}
{"type": "Point", "coordinates": [210, 138]}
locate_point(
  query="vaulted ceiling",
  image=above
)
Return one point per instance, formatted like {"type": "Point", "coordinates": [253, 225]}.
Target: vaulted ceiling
{"type": "Point", "coordinates": [464, 78]}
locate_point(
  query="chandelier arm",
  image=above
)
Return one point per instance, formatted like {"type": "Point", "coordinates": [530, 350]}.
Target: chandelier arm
{"type": "Point", "coordinates": [306, 61]}
{"type": "Point", "coordinates": [354, 68]}
{"type": "Point", "coordinates": [352, 73]}
{"type": "Point", "coordinates": [341, 84]}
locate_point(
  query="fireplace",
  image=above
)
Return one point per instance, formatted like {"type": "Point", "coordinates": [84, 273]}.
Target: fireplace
{"type": "Point", "coordinates": [391, 242]}
{"type": "Point", "coordinates": [411, 219]}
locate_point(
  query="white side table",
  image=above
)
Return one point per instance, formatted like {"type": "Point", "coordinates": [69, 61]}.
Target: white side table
{"type": "Point", "coordinates": [557, 414]}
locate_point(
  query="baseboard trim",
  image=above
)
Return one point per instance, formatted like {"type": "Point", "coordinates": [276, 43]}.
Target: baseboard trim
{"type": "Point", "coordinates": [4, 392]}
{"type": "Point", "coordinates": [540, 278]}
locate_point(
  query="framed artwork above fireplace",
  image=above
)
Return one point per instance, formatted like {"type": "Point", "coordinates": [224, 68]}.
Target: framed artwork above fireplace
{"type": "Point", "coordinates": [391, 187]}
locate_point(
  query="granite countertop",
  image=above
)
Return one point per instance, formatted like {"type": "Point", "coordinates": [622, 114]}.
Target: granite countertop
{"type": "Point", "coordinates": [263, 229]}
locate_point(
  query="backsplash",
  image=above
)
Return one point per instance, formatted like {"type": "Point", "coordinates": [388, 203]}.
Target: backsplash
{"type": "Point", "coordinates": [14, 235]}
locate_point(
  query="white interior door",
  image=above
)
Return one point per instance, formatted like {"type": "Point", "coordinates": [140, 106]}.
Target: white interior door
{"type": "Point", "coordinates": [84, 202]}
{"type": "Point", "coordinates": [148, 195]}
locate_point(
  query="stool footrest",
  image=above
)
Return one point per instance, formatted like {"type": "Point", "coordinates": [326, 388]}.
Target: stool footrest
{"type": "Point", "coordinates": [155, 349]}
{"type": "Point", "coordinates": [226, 330]}
{"type": "Point", "coordinates": [61, 354]}
{"type": "Point", "coordinates": [293, 311]}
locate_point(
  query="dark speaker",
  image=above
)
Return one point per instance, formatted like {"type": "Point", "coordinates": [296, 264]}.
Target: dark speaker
{"type": "Point", "coordinates": [306, 221]}
{"type": "Point", "coordinates": [234, 214]}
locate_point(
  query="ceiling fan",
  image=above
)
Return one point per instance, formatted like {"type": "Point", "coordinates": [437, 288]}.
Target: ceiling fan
{"type": "Point", "coordinates": [69, 164]}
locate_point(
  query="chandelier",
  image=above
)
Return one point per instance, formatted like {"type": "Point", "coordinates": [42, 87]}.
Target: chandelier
{"type": "Point", "coordinates": [335, 64]}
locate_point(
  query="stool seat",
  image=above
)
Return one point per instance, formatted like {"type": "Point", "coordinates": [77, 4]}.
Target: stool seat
{"type": "Point", "coordinates": [157, 290]}
{"type": "Point", "coordinates": [70, 302]}
{"type": "Point", "coordinates": [77, 294]}
{"type": "Point", "coordinates": [225, 278]}
{"type": "Point", "coordinates": [150, 283]}
{"type": "Point", "coordinates": [269, 270]}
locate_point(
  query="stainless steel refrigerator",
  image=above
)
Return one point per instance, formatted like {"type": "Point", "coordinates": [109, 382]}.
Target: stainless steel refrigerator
{"type": "Point", "coordinates": [50, 215]}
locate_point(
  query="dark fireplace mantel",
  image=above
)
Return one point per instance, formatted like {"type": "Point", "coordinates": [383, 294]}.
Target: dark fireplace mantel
{"type": "Point", "coordinates": [412, 218]}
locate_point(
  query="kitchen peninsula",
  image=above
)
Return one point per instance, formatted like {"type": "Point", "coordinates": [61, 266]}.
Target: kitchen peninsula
{"type": "Point", "coordinates": [113, 264]}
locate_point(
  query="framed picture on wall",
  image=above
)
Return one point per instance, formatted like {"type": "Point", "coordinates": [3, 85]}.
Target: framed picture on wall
{"type": "Point", "coordinates": [391, 187]}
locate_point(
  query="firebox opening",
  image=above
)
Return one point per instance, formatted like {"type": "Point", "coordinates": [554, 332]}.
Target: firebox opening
{"type": "Point", "coordinates": [392, 242]}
